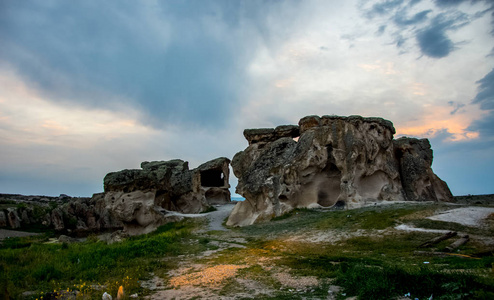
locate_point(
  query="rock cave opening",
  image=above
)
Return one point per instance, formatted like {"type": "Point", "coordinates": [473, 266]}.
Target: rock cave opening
{"type": "Point", "coordinates": [212, 178]}
{"type": "Point", "coordinates": [328, 190]}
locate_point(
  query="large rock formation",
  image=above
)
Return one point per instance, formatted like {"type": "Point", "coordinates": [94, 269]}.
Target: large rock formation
{"type": "Point", "coordinates": [142, 199]}
{"type": "Point", "coordinates": [330, 161]}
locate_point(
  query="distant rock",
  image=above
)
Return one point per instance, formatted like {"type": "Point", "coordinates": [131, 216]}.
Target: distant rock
{"type": "Point", "coordinates": [3, 219]}
{"type": "Point", "coordinates": [13, 218]}
{"type": "Point", "coordinates": [336, 161]}
{"type": "Point", "coordinates": [80, 216]}
{"type": "Point", "coordinates": [140, 199]}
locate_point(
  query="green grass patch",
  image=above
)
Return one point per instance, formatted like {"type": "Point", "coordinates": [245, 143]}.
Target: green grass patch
{"type": "Point", "coordinates": [209, 209]}
{"type": "Point", "coordinates": [41, 267]}
{"type": "Point", "coordinates": [369, 282]}
{"type": "Point", "coordinates": [374, 217]}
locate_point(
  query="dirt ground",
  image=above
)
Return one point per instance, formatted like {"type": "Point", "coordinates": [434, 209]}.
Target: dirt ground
{"type": "Point", "coordinates": [470, 216]}
{"type": "Point", "coordinates": [194, 280]}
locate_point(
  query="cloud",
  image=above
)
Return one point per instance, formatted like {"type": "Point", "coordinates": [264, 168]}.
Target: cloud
{"type": "Point", "coordinates": [103, 86]}
{"type": "Point", "coordinates": [383, 8]}
{"type": "Point", "coordinates": [381, 30]}
{"type": "Point", "coordinates": [47, 146]}
{"type": "Point", "coordinates": [449, 3]}
{"type": "Point", "coordinates": [456, 107]}
{"type": "Point", "coordinates": [170, 59]}
{"type": "Point", "coordinates": [433, 27]}
{"type": "Point", "coordinates": [485, 98]}
{"type": "Point", "coordinates": [433, 39]}
{"type": "Point", "coordinates": [401, 19]}
{"type": "Point", "coordinates": [485, 95]}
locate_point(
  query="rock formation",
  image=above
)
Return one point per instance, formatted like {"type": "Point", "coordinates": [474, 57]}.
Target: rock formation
{"type": "Point", "coordinates": [330, 161]}
{"type": "Point", "coordinates": [79, 216]}
{"type": "Point", "coordinates": [142, 199]}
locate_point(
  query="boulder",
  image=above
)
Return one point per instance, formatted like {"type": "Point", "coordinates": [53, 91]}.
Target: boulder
{"type": "Point", "coordinates": [66, 239]}
{"type": "Point", "coordinates": [3, 219]}
{"type": "Point", "coordinates": [336, 161]}
{"type": "Point", "coordinates": [57, 219]}
{"type": "Point", "coordinates": [25, 217]}
{"type": "Point", "coordinates": [13, 218]}
{"type": "Point", "coordinates": [141, 199]}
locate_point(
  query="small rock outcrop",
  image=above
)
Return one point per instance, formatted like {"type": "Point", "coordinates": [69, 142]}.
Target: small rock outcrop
{"type": "Point", "coordinates": [330, 161]}
{"type": "Point", "coordinates": [142, 199]}
{"type": "Point", "coordinates": [71, 215]}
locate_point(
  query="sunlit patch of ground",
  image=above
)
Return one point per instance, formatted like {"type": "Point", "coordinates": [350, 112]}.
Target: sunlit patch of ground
{"type": "Point", "coordinates": [211, 276]}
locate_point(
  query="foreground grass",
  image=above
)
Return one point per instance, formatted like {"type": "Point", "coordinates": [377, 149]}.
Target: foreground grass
{"type": "Point", "coordinates": [91, 267]}
{"type": "Point", "coordinates": [378, 263]}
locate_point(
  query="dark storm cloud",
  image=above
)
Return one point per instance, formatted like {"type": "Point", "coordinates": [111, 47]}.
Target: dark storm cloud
{"type": "Point", "coordinates": [433, 39]}
{"type": "Point", "coordinates": [164, 59]}
{"type": "Point", "coordinates": [485, 97]}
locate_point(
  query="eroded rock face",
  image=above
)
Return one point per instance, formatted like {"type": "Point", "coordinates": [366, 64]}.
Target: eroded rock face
{"type": "Point", "coordinates": [337, 161]}
{"type": "Point", "coordinates": [141, 199]}
{"type": "Point", "coordinates": [418, 181]}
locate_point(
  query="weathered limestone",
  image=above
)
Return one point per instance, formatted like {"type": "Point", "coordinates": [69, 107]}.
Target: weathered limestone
{"type": "Point", "coordinates": [337, 161]}
{"type": "Point", "coordinates": [142, 199]}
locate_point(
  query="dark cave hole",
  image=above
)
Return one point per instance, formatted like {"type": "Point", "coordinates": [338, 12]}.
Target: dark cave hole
{"type": "Point", "coordinates": [212, 178]}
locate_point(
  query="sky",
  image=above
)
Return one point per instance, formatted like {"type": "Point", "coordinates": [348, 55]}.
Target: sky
{"type": "Point", "coordinates": [91, 87]}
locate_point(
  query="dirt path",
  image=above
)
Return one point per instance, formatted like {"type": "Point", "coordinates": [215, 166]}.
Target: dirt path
{"type": "Point", "coordinates": [216, 218]}
{"type": "Point", "coordinates": [5, 233]}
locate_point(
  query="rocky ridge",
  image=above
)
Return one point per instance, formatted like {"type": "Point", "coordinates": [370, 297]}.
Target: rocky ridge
{"type": "Point", "coordinates": [65, 214]}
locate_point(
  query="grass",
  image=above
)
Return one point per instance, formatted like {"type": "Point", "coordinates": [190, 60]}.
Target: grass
{"type": "Point", "coordinates": [372, 265]}
{"type": "Point", "coordinates": [369, 282]}
{"type": "Point", "coordinates": [33, 266]}
{"type": "Point", "coordinates": [377, 264]}
{"type": "Point", "coordinates": [380, 217]}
